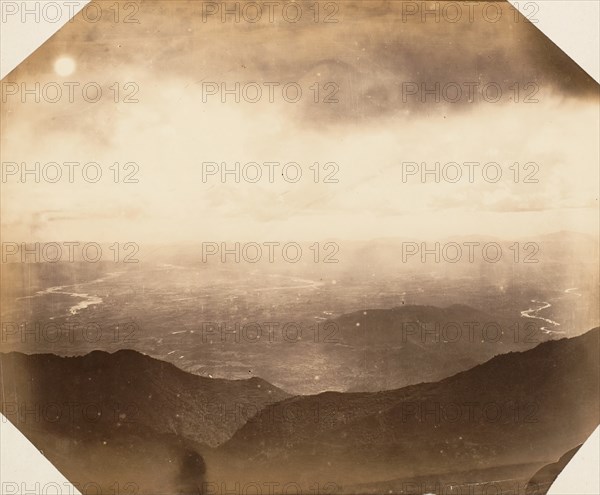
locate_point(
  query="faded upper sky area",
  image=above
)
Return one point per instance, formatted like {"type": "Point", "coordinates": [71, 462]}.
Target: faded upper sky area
{"type": "Point", "coordinates": [369, 86]}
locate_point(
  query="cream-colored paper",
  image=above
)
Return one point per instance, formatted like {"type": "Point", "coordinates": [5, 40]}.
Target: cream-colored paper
{"type": "Point", "coordinates": [315, 197]}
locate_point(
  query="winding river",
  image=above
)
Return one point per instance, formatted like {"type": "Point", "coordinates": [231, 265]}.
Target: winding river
{"type": "Point", "coordinates": [542, 305]}
{"type": "Point", "coordinates": [87, 299]}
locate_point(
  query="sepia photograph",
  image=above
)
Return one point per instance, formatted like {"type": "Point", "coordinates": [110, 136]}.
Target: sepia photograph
{"type": "Point", "coordinates": [299, 247]}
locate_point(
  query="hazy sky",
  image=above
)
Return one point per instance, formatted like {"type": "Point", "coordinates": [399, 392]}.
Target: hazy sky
{"type": "Point", "coordinates": [370, 54]}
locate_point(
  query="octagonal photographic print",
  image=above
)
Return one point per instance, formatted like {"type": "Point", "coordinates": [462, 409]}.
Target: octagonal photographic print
{"type": "Point", "coordinates": [299, 247]}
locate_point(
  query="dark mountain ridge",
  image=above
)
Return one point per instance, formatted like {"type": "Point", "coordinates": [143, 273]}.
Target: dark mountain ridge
{"type": "Point", "coordinates": [517, 408]}
{"type": "Point", "coordinates": [154, 392]}
{"type": "Point", "coordinates": [126, 416]}
{"type": "Point", "coordinates": [409, 344]}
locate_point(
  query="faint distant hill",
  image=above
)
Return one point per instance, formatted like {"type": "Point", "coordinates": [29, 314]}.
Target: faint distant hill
{"type": "Point", "coordinates": [526, 409]}
{"type": "Point", "coordinates": [564, 248]}
{"type": "Point", "coordinates": [125, 417]}
{"type": "Point", "coordinates": [412, 343]}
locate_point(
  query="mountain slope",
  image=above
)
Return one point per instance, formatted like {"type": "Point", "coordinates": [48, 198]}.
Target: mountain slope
{"type": "Point", "coordinates": [517, 408]}
{"type": "Point", "coordinates": [129, 418]}
{"type": "Point", "coordinates": [413, 343]}
{"type": "Point", "coordinates": [125, 417]}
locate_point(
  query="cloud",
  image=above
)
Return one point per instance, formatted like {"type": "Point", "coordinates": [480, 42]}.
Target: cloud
{"type": "Point", "coordinates": [370, 53]}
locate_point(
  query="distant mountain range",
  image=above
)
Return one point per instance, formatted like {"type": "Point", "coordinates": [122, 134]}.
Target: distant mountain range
{"type": "Point", "coordinates": [129, 418]}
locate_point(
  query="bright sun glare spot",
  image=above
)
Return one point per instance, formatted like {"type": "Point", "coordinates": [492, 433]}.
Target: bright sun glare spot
{"type": "Point", "coordinates": [64, 66]}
